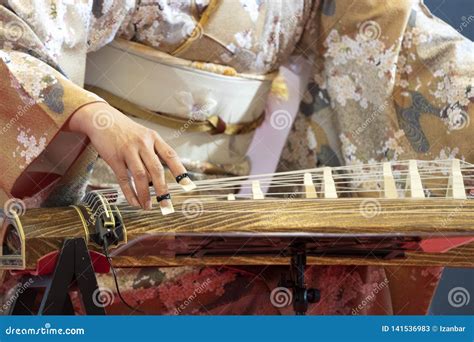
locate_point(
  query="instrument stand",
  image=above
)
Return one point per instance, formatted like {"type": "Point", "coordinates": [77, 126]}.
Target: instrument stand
{"type": "Point", "coordinates": [73, 269]}
{"type": "Point", "coordinates": [302, 295]}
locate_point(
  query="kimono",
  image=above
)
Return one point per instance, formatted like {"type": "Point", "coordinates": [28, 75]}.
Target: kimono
{"type": "Point", "coordinates": [389, 81]}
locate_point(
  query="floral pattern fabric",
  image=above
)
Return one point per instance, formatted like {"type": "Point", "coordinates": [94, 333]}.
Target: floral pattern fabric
{"type": "Point", "coordinates": [37, 100]}
{"type": "Point", "coordinates": [390, 82]}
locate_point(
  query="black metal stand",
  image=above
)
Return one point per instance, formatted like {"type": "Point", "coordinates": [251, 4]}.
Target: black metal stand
{"type": "Point", "coordinates": [302, 295]}
{"type": "Point", "coordinates": [74, 268]}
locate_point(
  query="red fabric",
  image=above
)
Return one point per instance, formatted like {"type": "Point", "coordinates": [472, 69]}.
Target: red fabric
{"type": "Point", "coordinates": [443, 244]}
{"type": "Point", "coordinates": [47, 264]}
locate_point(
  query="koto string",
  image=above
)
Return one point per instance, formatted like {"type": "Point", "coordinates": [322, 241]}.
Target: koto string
{"type": "Point", "coordinates": [342, 190]}
{"type": "Point", "coordinates": [119, 198]}
{"type": "Point", "coordinates": [343, 177]}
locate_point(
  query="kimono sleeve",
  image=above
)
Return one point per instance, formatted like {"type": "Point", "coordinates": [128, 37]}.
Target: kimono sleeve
{"type": "Point", "coordinates": [36, 101]}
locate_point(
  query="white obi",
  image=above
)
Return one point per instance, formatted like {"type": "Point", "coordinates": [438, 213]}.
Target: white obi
{"type": "Point", "coordinates": [186, 90]}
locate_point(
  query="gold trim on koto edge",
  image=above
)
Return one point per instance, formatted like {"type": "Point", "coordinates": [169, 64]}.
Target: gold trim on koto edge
{"type": "Point", "coordinates": [19, 227]}
{"type": "Point", "coordinates": [15, 221]}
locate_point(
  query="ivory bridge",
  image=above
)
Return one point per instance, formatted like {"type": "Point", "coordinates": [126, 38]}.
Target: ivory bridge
{"type": "Point", "coordinates": [402, 213]}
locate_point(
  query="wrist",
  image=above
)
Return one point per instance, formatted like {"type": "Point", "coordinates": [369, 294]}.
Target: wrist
{"type": "Point", "coordinates": [83, 119]}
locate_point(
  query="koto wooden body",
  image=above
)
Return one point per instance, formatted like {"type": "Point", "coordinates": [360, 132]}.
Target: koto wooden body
{"type": "Point", "coordinates": [45, 229]}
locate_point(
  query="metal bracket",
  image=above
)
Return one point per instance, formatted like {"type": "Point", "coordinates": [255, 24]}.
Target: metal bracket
{"type": "Point", "coordinates": [302, 296]}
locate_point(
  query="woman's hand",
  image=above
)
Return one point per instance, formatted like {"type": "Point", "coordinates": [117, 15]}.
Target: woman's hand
{"type": "Point", "coordinates": [129, 147]}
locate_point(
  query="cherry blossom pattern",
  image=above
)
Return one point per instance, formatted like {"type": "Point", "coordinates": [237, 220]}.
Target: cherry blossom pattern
{"type": "Point", "coordinates": [29, 147]}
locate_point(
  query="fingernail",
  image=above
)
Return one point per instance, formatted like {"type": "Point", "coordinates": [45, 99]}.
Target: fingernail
{"type": "Point", "coordinates": [165, 204]}
{"type": "Point", "coordinates": [186, 183]}
{"type": "Point", "coordinates": [166, 207]}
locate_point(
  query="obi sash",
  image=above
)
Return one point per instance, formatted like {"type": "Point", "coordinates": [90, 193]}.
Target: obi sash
{"type": "Point", "coordinates": [206, 112]}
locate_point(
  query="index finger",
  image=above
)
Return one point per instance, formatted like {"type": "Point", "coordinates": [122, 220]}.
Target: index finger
{"type": "Point", "coordinates": [170, 157]}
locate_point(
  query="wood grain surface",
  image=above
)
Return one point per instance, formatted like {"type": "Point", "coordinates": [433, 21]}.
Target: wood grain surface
{"type": "Point", "coordinates": [46, 228]}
